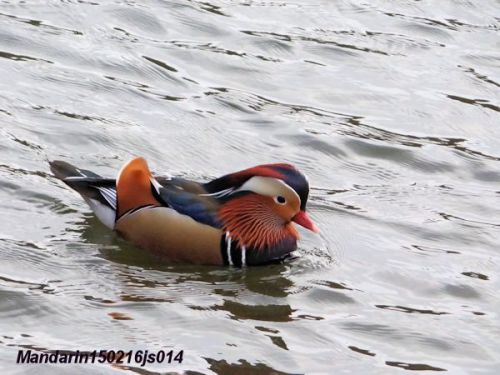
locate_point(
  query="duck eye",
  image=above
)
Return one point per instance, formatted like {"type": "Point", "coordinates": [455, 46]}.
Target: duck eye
{"type": "Point", "coordinates": [281, 200]}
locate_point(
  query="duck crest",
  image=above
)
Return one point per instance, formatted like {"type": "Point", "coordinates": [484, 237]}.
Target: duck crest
{"type": "Point", "coordinates": [236, 179]}
{"type": "Point", "coordinates": [281, 171]}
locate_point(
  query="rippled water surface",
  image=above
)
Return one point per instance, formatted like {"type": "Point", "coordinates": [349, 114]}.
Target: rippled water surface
{"type": "Point", "coordinates": [391, 109]}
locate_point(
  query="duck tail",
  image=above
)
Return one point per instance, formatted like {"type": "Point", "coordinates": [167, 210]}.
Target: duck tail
{"type": "Point", "coordinates": [98, 192]}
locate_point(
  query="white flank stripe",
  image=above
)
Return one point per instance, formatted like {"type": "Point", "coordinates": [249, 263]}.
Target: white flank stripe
{"type": "Point", "coordinates": [228, 240]}
{"type": "Point", "coordinates": [243, 256]}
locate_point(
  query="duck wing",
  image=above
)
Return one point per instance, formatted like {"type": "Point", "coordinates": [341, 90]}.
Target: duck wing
{"type": "Point", "coordinates": [189, 198]}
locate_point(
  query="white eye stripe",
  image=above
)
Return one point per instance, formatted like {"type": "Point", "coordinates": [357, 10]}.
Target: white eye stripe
{"type": "Point", "coordinates": [269, 186]}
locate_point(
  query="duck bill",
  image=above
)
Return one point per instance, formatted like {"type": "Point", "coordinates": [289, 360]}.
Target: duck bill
{"type": "Point", "coordinates": [303, 219]}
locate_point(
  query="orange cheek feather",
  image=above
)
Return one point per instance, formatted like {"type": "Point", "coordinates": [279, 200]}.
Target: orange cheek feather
{"type": "Point", "coordinates": [252, 220]}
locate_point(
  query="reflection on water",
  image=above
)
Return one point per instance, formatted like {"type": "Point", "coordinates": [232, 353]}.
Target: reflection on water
{"type": "Point", "coordinates": [391, 109]}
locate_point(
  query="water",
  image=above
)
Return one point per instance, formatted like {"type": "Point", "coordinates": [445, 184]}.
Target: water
{"type": "Point", "coordinates": [391, 108]}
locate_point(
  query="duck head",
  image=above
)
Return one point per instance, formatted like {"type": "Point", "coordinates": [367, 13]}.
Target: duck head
{"type": "Point", "coordinates": [260, 204]}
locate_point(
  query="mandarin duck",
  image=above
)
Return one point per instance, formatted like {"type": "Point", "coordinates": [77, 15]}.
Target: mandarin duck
{"type": "Point", "coordinates": [243, 218]}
